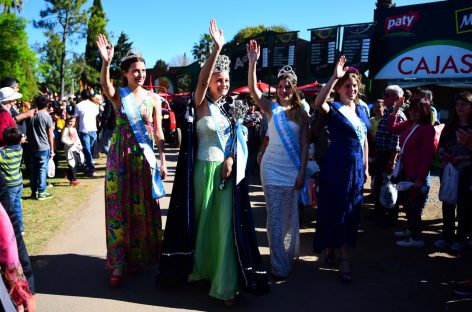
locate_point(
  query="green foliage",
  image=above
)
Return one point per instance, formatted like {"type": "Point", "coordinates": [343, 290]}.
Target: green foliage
{"type": "Point", "coordinates": [10, 6]}
{"type": "Point", "coordinates": [121, 48]}
{"type": "Point", "coordinates": [253, 31]}
{"type": "Point", "coordinates": [17, 59]}
{"type": "Point", "coordinates": [62, 19]}
{"type": "Point", "coordinates": [202, 49]}
{"type": "Point", "coordinates": [161, 64]}
{"type": "Point", "coordinates": [96, 25]}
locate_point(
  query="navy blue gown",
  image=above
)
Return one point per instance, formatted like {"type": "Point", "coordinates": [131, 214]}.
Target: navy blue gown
{"type": "Point", "coordinates": [341, 182]}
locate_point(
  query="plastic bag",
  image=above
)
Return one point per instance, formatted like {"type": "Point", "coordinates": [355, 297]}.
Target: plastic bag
{"type": "Point", "coordinates": [51, 168]}
{"type": "Point", "coordinates": [388, 194]}
{"type": "Point", "coordinates": [449, 184]}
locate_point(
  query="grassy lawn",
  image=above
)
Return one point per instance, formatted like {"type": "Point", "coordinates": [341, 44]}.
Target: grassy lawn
{"type": "Point", "coordinates": [43, 219]}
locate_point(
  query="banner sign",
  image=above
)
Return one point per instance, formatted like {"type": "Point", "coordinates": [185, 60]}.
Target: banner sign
{"type": "Point", "coordinates": [356, 44]}
{"type": "Point", "coordinates": [323, 52]}
{"type": "Point", "coordinates": [284, 49]}
{"type": "Point", "coordinates": [426, 41]}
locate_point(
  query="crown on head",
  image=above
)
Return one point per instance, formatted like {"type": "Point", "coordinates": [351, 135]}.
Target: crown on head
{"type": "Point", "coordinates": [131, 54]}
{"type": "Point", "coordinates": [288, 71]}
{"type": "Point", "coordinates": [222, 64]}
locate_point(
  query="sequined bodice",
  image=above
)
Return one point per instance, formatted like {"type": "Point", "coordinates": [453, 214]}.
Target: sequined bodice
{"type": "Point", "coordinates": [209, 147]}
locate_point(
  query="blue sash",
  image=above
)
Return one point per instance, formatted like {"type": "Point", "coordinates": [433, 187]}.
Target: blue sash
{"type": "Point", "coordinates": [214, 110]}
{"type": "Point", "coordinates": [288, 139]}
{"type": "Point", "coordinates": [241, 150]}
{"type": "Point", "coordinates": [141, 135]}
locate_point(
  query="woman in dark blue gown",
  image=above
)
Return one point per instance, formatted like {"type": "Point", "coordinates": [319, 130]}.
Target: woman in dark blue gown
{"type": "Point", "coordinates": [344, 166]}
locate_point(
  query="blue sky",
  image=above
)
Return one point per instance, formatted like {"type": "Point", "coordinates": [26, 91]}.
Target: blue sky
{"type": "Point", "coordinates": [167, 29]}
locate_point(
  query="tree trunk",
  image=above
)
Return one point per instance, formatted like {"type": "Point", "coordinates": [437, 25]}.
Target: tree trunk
{"type": "Point", "coordinates": [63, 55]}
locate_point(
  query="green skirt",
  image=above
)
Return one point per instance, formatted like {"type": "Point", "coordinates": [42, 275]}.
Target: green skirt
{"type": "Point", "coordinates": [215, 252]}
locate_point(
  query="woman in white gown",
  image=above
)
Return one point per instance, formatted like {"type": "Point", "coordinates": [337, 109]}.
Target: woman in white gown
{"type": "Point", "coordinates": [283, 164]}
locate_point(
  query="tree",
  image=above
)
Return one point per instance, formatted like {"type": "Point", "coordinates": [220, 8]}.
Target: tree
{"type": "Point", "coordinates": [180, 60]}
{"type": "Point", "coordinates": [121, 48]}
{"type": "Point", "coordinates": [9, 6]}
{"type": "Point", "coordinates": [202, 49]}
{"type": "Point", "coordinates": [385, 4]}
{"type": "Point", "coordinates": [252, 31]}
{"type": "Point", "coordinates": [96, 25]}
{"type": "Point", "coordinates": [66, 19]}
{"type": "Point", "coordinates": [161, 64]}
{"type": "Point", "coordinates": [17, 59]}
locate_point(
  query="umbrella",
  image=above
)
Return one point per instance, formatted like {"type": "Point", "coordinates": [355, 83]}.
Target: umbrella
{"type": "Point", "coordinates": [263, 87]}
{"type": "Point", "coordinates": [310, 89]}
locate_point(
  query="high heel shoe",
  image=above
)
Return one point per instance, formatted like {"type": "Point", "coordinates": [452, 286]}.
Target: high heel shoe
{"type": "Point", "coordinates": [116, 279]}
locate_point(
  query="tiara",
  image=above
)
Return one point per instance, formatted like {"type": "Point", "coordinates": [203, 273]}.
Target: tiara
{"type": "Point", "coordinates": [131, 54]}
{"type": "Point", "coordinates": [288, 71]}
{"type": "Point", "coordinates": [222, 64]}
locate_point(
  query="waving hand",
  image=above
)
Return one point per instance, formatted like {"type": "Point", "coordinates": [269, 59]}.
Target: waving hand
{"type": "Point", "coordinates": [106, 49]}
{"type": "Point", "coordinates": [217, 34]}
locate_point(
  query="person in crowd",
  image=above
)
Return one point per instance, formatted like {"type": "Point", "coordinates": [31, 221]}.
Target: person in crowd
{"type": "Point", "coordinates": [378, 110]}
{"type": "Point", "coordinates": [8, 97]}
{"type": "Point", "coordinates": [108, 123]}
{"type": "Point", "coordinates": [87, 112]}
{"type": "Point", "coordinates": [406, 99]}
{"type": "Point", "coordinates": [10, 268]}
{"type": "Point", "coordinates": [386, 150]}
{"type": "Point", "coordinates": [40, 129]}
{"type": "Point", "coordinates": [72, 149]}
{"type": "Point", "coordinates": [10, 162]}
{"type": "Point", "coordinates": [304, 104]}
{"type": "Point", "coordinates": [133, 177]}
{"type": "Point", "coordinates": [210, 233]}
{"type": "Point", "coordinates": [416, 157]}
{"type": "Point", "coordinates": [18, 116]}
{"type": "Point", "coordinates": [451, 151]}
{"type": "Point", "coordinates": [344, 169]}
{"type": "Point", "coordinates": [420, 93]}
{"type": "Point", "coordinates": [284, 163]}
{"type": "Point", "coordinates": [253, 123]}
{"type": "Point", "coordinates": [319, 133]}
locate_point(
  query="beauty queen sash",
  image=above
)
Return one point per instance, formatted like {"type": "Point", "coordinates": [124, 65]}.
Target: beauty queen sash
{"type": "Point", "coordinates": [290, 143]}
{"type": "Point", "coordinates": [221, 130]}
{"type": "Point", "coordinates": [238, 144]}
{"type": "Point", "coordinates": [241, 150]}
{"type": "Point", "coordinates": [140, 133]}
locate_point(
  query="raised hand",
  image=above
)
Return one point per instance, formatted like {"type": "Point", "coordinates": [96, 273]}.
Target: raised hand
{"type": "Point", "coordinates": [217, 34]}
{"type": "Point", "coordinates": [106, 49]}
{"type": "Point", "coordinates": [253, 51]}
{"type": "Point", "coordinates": [340, 70]}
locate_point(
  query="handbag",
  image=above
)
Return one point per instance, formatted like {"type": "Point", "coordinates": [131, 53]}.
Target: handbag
{"type": "Point", "coordinates": [398, 164]}
{"type": "Point", "coordinates": [449, 184]}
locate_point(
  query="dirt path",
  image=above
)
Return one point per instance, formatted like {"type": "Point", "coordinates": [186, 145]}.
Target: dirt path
{"type": "Point", "coordinates": [70, 275]}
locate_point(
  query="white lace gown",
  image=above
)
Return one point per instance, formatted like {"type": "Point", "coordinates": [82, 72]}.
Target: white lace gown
{"type": "Point", "coordinates": [278, 175]}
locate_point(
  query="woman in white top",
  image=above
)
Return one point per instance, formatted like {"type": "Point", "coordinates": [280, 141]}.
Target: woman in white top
{"type": "Point", "coordinates": [283, 164]}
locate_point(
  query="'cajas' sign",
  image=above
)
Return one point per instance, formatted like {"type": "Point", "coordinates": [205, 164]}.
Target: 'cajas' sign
{"type": "Point", "coordinates": [443, 59]}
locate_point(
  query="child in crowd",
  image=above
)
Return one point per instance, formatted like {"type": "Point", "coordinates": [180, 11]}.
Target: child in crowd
{"type": "Point", "coordinates": [72, 149]}
{"type": "Point", "coordinates": [10, 162]}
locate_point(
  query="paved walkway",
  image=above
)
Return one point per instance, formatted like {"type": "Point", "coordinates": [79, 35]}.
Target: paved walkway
{"type": "Point", "coordinates": [70, 276]}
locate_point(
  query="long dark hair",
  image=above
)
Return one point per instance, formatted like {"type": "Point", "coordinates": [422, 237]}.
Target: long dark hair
{"type": "Point", "coordinates": [465, 96]}
{"type": "Point", "coordinates": [126, 64]}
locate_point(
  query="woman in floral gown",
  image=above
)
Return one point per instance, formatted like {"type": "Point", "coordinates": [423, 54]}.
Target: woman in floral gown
{"type": "Point", "coordinates": [133, 218]}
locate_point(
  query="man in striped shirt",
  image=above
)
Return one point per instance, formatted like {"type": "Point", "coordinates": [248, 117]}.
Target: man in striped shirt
{"type": "Point", "coordinates": [10, 161]}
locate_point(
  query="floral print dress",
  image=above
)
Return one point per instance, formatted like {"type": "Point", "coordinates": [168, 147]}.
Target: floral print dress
{"type": "Point", "coordinates": [133, 217]}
